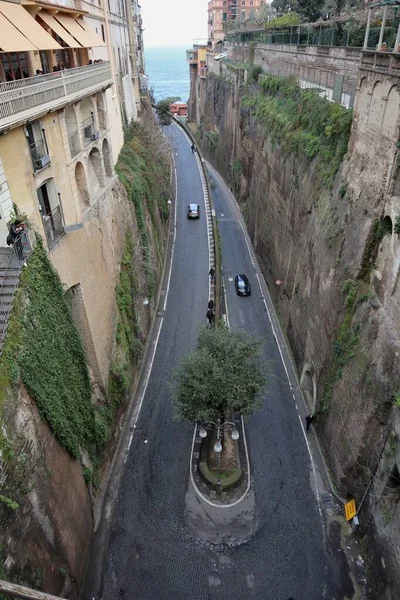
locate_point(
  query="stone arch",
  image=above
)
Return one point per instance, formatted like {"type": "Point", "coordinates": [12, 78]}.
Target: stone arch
{"type": "Point", "coordinates": [377, 106]}
{"type": "Point", "coordinates": [392, 114]}
{"type": "Point", "coordinates": [107, 159]}
{"type": "Point", "coordinates": [87, 109]}
{"type": "Point", "coordinates": [364, 101]}
{"type": "Point", "coordinates": [81, 184]}
{"type": "Point", "coordinates": [308, 384]}
{"type": "Point", "coordinates": [72, 131]}
{"type": "Point", "coordinates": [96, 176]}
{"type": "Point", "coordinates": [101, 112]}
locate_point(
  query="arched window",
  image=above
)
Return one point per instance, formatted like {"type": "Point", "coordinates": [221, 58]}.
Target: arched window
{"type": "Point", "coordinates": [80, 179]}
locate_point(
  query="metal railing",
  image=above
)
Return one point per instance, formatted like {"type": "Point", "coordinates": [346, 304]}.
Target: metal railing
{"type": "Point", "coordinates": [39, 152]}
{"type": "Point", "coordinates": [74, 144]}
{"type": "Point", "coordinates": [20, 252]}
{"type": "Point", "coordinates": [53, 226]}
{"type": "Point", "coordinates": [88, 131]}
{"type": "Point", "coordinates": [312, 35]}
{"type": "Point", "coordinates": [26, 95]}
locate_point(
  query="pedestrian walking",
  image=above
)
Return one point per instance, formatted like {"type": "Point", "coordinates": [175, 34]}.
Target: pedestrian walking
{"type": "Point", "coordinates": [212, 273]}
{"type": "Point", "coordinates": [309, 420]}
{"type": "Point", "coordinates": [211, 304]}
{"type": "Point", "coordinates": [210, 317]}
{"type": "Point", "coordinates": [192, 147]}
{"type": "Point", "coordinates": [14, 237]}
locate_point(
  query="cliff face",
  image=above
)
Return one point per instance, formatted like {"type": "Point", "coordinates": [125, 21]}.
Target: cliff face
{"type": "Point", "coordinates": [329, 235]}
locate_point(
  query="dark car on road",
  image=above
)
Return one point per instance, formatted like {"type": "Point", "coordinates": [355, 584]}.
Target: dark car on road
{"type": "Point", "coordinates": [242, 285]}
{"type": "Point", "coordinates": [193, 211]}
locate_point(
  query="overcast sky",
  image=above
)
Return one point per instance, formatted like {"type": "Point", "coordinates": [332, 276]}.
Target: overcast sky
{"type": "Point", "coordinates": [169, 24]}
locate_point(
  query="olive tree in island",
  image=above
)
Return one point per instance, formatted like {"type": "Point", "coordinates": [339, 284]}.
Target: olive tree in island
{"type": "Point", "coordinates": [224, 374]}
{"type": "Point", "coordinates": [162, 109]}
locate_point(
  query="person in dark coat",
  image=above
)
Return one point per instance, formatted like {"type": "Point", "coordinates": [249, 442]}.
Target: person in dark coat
{"type": "Point", "coordinates": [211, 304]}
{"type": "Point", "coordinates": [309, 420]}
{"type": "Point", "coordinates": [210, 316]}
{"type": "Point", "coordinates": [13, 237]}
{"type": "Point", "coordinates": [212, 273]}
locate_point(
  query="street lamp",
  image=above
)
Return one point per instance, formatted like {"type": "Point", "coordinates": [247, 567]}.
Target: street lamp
{"type": "Point", "coordinates": [219, 427]}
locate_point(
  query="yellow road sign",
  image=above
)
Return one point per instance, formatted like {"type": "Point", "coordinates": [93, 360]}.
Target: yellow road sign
{"type": "Point", "coordinates": [350, 509]}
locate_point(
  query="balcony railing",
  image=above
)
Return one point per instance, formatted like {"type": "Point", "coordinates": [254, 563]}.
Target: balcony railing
{"type": "Point", "coordinates": [39, 154]}
{"type": "Point", "coordinates": [53, 226]}
{"type": "Point", "coordinates": [74, 145]}
{"type": "Point", "coordinates": [23, 99]}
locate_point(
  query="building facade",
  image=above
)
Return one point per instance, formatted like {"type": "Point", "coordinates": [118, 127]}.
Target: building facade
{"type": "Point", "coordinates": [69, 79]}
{"type": "Point", "coordinates": [222, 13]}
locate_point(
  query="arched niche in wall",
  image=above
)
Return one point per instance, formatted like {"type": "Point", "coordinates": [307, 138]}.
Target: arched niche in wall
{"type": "Point", "coordinates": [377, 107]}
{"type": "Point", "coordinates": [107, 159]}
{"type": "Point", "coordinates": [96, 177]}
{"type": "Point", "coordinates": [72, 131]}
{"type": "Point", "coordinates": [392, 114]}
{"type": "Point", "coordinates": [364, 101]}
{"type": "Point", "coordinates": [81, 185]}
{"type": "Point", "coordinates": [101, 112]}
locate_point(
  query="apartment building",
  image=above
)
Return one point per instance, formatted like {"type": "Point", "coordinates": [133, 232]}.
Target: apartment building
{"type": "Point", "coordinates": [67, 72]}
{"type": "Point", "coordinates": [223, 12]}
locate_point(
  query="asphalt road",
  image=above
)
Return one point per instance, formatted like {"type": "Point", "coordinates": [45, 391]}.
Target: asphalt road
{"type": "Point", "coordinates": [152, 556]}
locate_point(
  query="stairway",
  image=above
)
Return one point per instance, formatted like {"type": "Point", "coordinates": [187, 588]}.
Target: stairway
{"type": "Point", "coordinates": [10, 268]}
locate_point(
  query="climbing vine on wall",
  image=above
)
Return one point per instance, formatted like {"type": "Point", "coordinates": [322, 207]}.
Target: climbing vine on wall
{"type": "Point", "coordinates": [44, 350]}
{"type": "Point", "coordinates": [301, 122]}
{"type": "Point", "coordinates": [144, 169]}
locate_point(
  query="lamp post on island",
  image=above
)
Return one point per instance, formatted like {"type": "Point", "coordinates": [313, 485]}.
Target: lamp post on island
{"type": "Point", "coordinates": [219, 428]}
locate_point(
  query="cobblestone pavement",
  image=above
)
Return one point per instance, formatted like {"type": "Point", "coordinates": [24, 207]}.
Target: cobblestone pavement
{"type": "Point", "coordinates": [153, 554]}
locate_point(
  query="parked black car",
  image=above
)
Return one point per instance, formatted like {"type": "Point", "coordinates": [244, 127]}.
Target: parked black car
{"type": "Point", "coordinates": [242, 285]}
{"type": "Point", "coordinates": [193, 211]}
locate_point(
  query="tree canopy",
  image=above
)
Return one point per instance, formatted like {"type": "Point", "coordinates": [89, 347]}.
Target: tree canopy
{"type": "Point", "coordinates": [162, 109]}
{"type": "Point", "coordinates": [224, 373]}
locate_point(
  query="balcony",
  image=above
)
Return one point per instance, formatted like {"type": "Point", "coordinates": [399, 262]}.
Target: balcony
{"type": "Point", "coordinates": [53, 226]}
{"type": "Point", "coordinates": [39, 154]}
{"type": "Point", "coordinates": [191, 57]}
{"type": "Point", "coordinates": [29, 98]}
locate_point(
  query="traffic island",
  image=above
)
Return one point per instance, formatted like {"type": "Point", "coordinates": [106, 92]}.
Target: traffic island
{"type": "Point", "coordinates": [223, 477]}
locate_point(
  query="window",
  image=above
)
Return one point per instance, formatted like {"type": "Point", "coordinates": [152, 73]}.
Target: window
{"type": "Point", "coordinates": [103, 33]}
{"type": "Point", "coordinates": [50, 209]}
{"type": "Point", "coordinates": [37, 145]}
{"type": "Point", "coordinates": [14, 65]}
{"type": "Point", "coordinates": [243, 2]}
{"type": "Point", "coordinates": [224, 3]}
{"type": "Point", "coordinates": [251, 2]}
{"type": "Point", "coordinates": [243, 15]}
{"type": "Point", "coordinates": [224, 16]}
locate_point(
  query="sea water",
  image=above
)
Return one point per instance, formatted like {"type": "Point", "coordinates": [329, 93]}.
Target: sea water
{"type": "Point", "coordinates": [168, 72]}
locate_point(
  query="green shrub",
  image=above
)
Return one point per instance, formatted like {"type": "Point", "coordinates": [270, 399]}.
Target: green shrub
{"type": "Point", "coordinates": [301, 122]}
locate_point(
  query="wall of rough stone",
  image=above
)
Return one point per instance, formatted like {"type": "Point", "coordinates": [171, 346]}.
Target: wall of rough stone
{"type": "Point", "coordinates": [314, 239]}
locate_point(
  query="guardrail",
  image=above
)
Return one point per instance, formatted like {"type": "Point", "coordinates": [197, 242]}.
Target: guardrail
{"type": "Point", "coordinates": [381, 62]}
{"type": "Point", "coordinates": [27, 97]}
